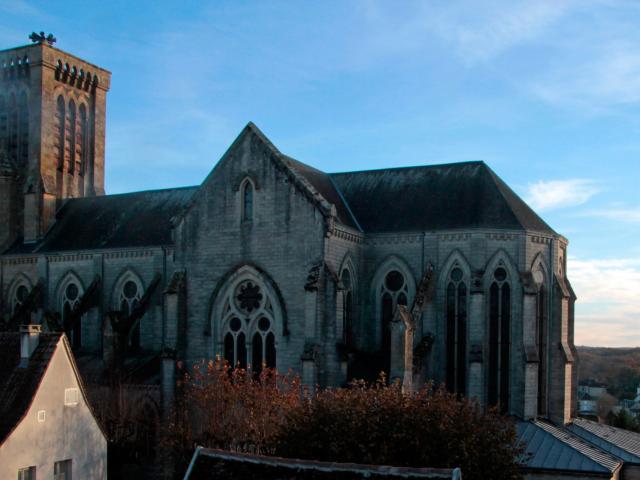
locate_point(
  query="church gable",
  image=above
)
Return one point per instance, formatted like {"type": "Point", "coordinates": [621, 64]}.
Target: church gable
{"type": "Point", "coordinates": [252, 158]}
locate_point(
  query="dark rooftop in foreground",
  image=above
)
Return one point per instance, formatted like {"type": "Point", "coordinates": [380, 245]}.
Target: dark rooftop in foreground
{"type": "Point", "coordinates": [212, 464]}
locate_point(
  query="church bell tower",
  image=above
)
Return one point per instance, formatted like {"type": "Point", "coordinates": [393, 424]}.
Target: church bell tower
{"type": "Point", "coordinates": [52, 135]}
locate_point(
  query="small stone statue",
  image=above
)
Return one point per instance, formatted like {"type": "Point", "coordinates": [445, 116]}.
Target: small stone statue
{"type": "Point", "coordinates": [41, 38]}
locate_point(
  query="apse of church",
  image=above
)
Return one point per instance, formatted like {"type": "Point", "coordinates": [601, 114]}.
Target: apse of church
{"type": "Point", "coordinates": [437, 272]}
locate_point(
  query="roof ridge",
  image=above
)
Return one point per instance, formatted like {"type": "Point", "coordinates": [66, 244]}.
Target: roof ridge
{"type": "Point", "coordinates": [151, 190]}
{"type": "Point", "coordinates": [500, 186]}
{"type": "Point", "coordinates": [410, 167]}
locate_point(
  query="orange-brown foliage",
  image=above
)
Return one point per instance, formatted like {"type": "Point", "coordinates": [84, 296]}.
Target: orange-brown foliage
{"type": "Point", "coordinates": [373, 424]}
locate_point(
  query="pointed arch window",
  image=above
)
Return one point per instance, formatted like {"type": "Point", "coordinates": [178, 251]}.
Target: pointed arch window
{"type": "Point", "coordinates": [456, 332]}
{"type": "Point", "coordinates": [71, 136]}
{"type": "Point", "coordinates": [248, 326]}
{"type": "Point", "coordinates": [82, 147]}
{"type": "Point", "coordinates": [247, 200]}
{"type": "Point", "coordinates": [128, 300]}
{"type": "Point", "coordinates": [347, 307]}
{"type": "Point", "coordinates": [23, 130]}
{"type": "Point", "coordinates": [60, 121]}
{"type": "Point", "coordinates": [12, 136]}
{"type": "Point", "coordinates": [541, 341]}
{"type": "Point", "coordinates": [20, 295]}
{"type": "Point", "coordinates": [69, 301]}
{"type": "Point", "coordinates": [392, 292]}
{"type": "Point", "coordinates": [499, 339]}
{"type": "Point", "coordinates": [3, 124]}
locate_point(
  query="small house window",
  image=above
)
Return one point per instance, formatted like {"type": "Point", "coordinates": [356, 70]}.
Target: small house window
{"type": "Point", "coordinates": [71, 396]}
{"type": "Point", "coordinates": [28, 473]}
{"type": "Point", "coordinates": [247, 201]}
{"type": "Point", "coordinates": [62, 470]}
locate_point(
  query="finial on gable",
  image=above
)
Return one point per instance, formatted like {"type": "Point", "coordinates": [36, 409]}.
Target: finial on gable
{"type": "Point", "coordinates": [42, 38]}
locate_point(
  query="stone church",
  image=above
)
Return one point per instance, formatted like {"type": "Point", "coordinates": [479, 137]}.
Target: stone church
{"type": "Point", "coordinates": [270, 261]}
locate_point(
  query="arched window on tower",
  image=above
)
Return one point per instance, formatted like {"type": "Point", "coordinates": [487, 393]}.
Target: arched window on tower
{"type": "Point", "coordinates": [69, 301]}
{"type": "Point", "coordinates": [129, 298]}
{"type": "Point", "coordinates": [60, 121]}
{"type": "Point", "coordinates": [499, 339]}
{"type": "Point", "coordinates": [12, 137]}
{"type": "Point", "coordinates": [347, 308]}
{"type": "Point", "coordinates": [23, 130]}
{"type": "Point", "coordinates": [71, 137]}
{"type": "Point", "coordinates": [456, 336]}
{"type": "Point", "coordinates": [82, 139]}
{"type": "Point", "coordinates": [3, 124]}
{"type": "Point", "coordinates": [247, 200]}
{"type": "Point", "coordinates": [541, 341]}
{"type": "Point", "coordinates": [392, 292]}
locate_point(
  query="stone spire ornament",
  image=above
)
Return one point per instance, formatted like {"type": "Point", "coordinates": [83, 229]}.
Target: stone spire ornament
{"type": "Point", "coordinates": [41, 38]}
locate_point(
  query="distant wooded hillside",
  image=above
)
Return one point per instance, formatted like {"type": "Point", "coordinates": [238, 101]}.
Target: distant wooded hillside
{"type": "Point", "coordinates": [619, 368]}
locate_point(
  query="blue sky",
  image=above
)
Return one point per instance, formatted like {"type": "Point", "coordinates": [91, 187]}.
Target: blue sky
{"type": "Point", "coordinates": [546, 92]}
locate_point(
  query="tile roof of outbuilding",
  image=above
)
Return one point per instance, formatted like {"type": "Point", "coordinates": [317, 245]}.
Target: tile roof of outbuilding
{"type": "Point", "coordinates": [617, 441]}
{"type": "Point", "coordinates": [548, 447]}
{"type": "Point", "coordinates": [19, 384]}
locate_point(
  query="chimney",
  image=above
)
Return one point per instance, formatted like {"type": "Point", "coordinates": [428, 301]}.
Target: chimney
{"type": "Point", "coordinates": [29, 338]}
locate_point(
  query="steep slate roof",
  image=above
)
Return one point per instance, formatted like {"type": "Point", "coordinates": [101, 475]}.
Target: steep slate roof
{"type": "Point", "coordinates": [621, 443]}
{"type": "Point", "coordinates": [138, 219]}
{"type": "Point", "coordinates": [18, 385]}
{"type": "Point", "coordinates": [434, 197]}
{"type": "Point", "coordinates": [325, 186]}
{"type": "Point", "coordinates": [424, 198]}
{"type": "Point", "coordinates": [548, 447]}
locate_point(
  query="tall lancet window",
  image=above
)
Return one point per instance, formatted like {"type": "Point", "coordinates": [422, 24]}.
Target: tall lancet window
{"type": "Point", "coordinates": [20, 296]}
{"type": "Point", "coordinates": [541, 341]}
{"type": "Point", "coordinates": [12, 143]}
{"type": "Point", "coordinates": [60, 120]}
{"type": "Point", "coordinates": [71, 137]}
{"type": "Point", "coordinates": [456, 337]}
{"type": "Point", "coordinates": [499, 339]}
{"type": "Point", "coordinates": [347, 308]}
{"type": "Point", "coordinates": [82, 139]}
{"type": "Point", "coordinates": [393, 292]}
{"type": "Point", "coordinates": [3, 124]}
{"type": "Point", "coordinates": [129, 298]}
{"type": "Point", "coordinates": [23, 130]}
{"type": "Point", "coordinates": [247, 200]}
{"type": "Point", "coordinates": [70, 299]}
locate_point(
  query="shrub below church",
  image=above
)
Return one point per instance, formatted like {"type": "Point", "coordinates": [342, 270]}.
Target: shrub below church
{"type": "Point", "coordinates": [378, 424]}
{"type": "Point", "coordinates": [381, 425]}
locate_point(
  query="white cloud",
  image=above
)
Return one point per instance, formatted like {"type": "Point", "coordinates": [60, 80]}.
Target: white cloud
{"type": "Point", "coordinates": [548, 195]}
{"type": "Point", "coordinates": [607, 311]}
{"type": "Point", "coordinates": [608, 77]}
{"type": "Point", "coordinates": [631, 215]}
{"type": "Point", "coordinates": [498, 26]}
